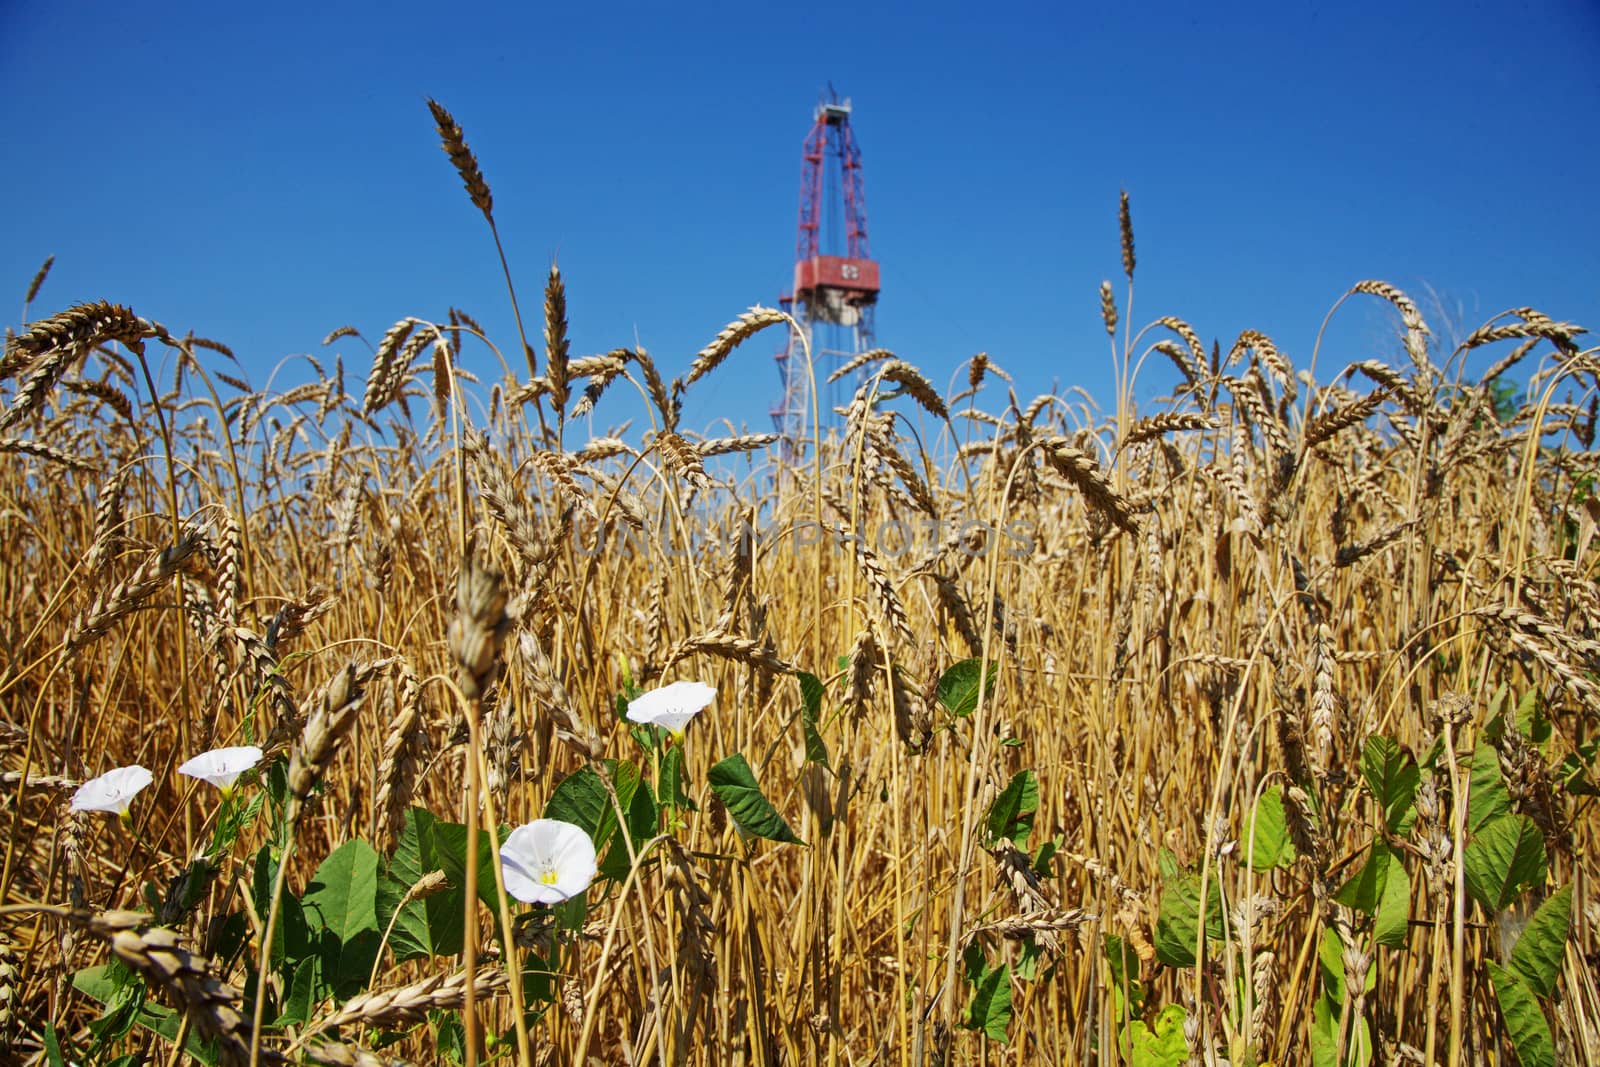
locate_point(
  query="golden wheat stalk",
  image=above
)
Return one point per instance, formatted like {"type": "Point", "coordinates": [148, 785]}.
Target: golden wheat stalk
{"type": "Point", "coordinates": [157, 953]}
{"type": "Point", "coordinates": [127, 595]}
{"type": "Point", "coordinates": [556, 345]}
{"type": "Point", "coordinates": [454, 143]}
{"type": "Point", "coordinates": [50, 346]}
{"type": "Point", "coordinates": [393, 1008]}
{"type": "Point", "coordinates": [730, 337]}
{"type": "Point", "coordinates": [333, 713]}
{"type": "Point", "coordinates": [859, 360]}
{"type": "Point", "coordinates": [1079, 468]}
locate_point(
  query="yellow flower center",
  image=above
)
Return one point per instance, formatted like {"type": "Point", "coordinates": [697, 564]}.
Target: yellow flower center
{"type": "Point", "coordinates": [548, 876]}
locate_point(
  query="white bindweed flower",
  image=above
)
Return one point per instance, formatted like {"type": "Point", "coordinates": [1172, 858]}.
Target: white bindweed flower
{"type": "Point", "coordinates": [672, 706]}
{"type": "Point", "coordinates": [547, 861]}
{"type": "Point", "coordinates": [112, 791]}
{"type": "Point", "coordinates": [222, 766]}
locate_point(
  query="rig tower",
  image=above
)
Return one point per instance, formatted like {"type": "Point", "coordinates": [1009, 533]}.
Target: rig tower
{"type": "Point", "coordinates": [835, 277]}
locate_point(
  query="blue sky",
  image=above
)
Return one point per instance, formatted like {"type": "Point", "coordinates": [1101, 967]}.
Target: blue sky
{"type": "Point", "coordinates": [261, 174]}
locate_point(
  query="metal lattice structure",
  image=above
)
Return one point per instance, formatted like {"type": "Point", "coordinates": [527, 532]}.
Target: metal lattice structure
{"type": "Point", "coordinates": [835, 277]}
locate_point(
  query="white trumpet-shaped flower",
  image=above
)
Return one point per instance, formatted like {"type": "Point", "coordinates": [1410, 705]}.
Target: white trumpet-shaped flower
{"type": "Point", "coordinates": [112, 791]}
{"type": "Point", "coordinates": [547, 861]}
{"type": "Point", "coordinates": [222, 766]}
{"type": "Point", "coordinates": [672, 706]}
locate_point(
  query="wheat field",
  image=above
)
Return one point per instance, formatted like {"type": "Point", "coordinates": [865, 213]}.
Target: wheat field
{"type": "Point", "coordinates": [1257, 728]}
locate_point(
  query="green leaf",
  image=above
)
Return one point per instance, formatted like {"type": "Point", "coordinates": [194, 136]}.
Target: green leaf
{"type": "Point", "coordinates": [1324, 1036]}
{"type": "Point", "coordinates": [341, 905]}
{"type": "Point", "coordinates": [1124, 965]}
{"type": "Point", "coordinates": [734, 783]}
{"type": "Point", "coordinates": [1539, 952]}
{"type": "Point", "coordinates": [670, 791]}
{"type": "Point", "coordinates": [1392, 925]}
{"type": "Point", "coordinates": [304, 993]}
{"type": "Point", "coordinates": [990, 1008]}
{"type": "Point", "coordinates": [1381, 889]}
{"type": "Point", "coordinates": [1270, 845]}
{"type": "Point", "coordinates": [640, 807]}
{"type": "Point", "coordinates": [1167, 863]}
{"type": "Point", "coordinates": [1010, 817]}
{"type": "Point", "coordinates": [449, 1035]}
{"type": "Point", "coordinates": [1178, 921]}
{"type": "Point", "coordinates": [1363, 891]}
{"type": "Point", "coordinates": [1043, 863]}
{"type": "Point", "coordinates": [102, 983]}
{"type": "Point", "coordinates": [1487, 798]}
{"type": "Point", "coordinates": [581, 800]}
{"type": "Point", "coordinates": [1392, 775]}
{"type": "Point", "coordinates": [1532, 722]}
{"type": "Point", "coordinates": [958, 686]}
{"type": "Point", "coordinates": [1501, 859]}
{"type": "Point", "coordinates": [292, 941]}
{"type": "Point", "coordinates": [1330, 960]}
{"type": "Point", "coordinates": [125, 996]}
{"type": "Point", "coordinates": [1161, 1045]}
{"type": "Point", "coordinates": [433, 926]}
{"type": "Point", "coordinates": [1573, 773]}
{"type": "Point", "coordinates": [811, 693]}
{"type": "Point", "coordinates": [342, 898]}
{"type": "Point", "coordinates": [1525, 1022]}
{"type": "Point", "coordinates": [52, 1047]}
{"type": "Point", "coordinates": [424, 927]}
{"type": "Point", "coordinates": [1029, 953]}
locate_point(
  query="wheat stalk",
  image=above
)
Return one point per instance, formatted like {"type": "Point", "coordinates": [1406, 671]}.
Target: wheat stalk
{"type": "Point", "coordinates": [730, 337]}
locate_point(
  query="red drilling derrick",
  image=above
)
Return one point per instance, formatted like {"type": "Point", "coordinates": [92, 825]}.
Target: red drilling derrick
{"type": "Point", "coordinates": [835, 278]}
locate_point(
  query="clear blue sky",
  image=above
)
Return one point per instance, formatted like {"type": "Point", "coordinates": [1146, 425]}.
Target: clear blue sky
{"type": "Point", "coordinates": [263, 173]}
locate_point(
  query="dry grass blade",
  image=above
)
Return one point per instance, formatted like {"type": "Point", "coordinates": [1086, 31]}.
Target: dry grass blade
{"type": "Point", "coordinates": [1393, 381]}
{"type": "Point", "coordinates": [602, 448]}
{"type": "Point", "coordinates": [338, 332]}
{"type": "Point", "coordinates": [746, 325]}
{"type": "Point", "coordinates": [552, 694]}
{"type": "Point", "coordinates": [104, 392]}
{"type": "Point", "coordinates": [666, 403]}
{"type": "Point", "coordinates": [1417, 332]}
{"type": "Point", "coordinates": [1193, 373]}
{"type": "Point", "coordinates": [454, 143]}
{"type": "Point", "coordinates": [1275, 362]}
{"type": "Point", "coordinates": [479, 627]}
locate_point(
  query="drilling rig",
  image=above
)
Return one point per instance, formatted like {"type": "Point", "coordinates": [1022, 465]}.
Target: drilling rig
{"type": "Point", "coordinates": [835, 283]}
